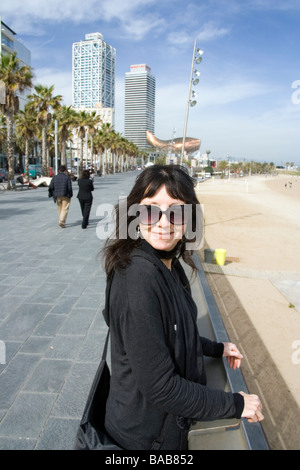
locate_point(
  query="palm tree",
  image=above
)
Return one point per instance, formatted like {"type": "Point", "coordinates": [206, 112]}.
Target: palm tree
{"type": "Point", "coordinates": [82, 118]}
{"type": "Point", "coordinates": [222, 166]}
{"type": "Point", "coordinates": [16, 79]}
{"type": "Point", "coordinates": [26, 129]}
{"type": "Point", "coordinates": [103, 137]}
{"type": "Point", "coordinates": [120, 149]}
{"type": "Point", "coordinates": [66, 117]}
{"type": "Point", "coordinates": [99, 147]}
{"type": "Point", "coordinates": [92, 125]}
{"type": "Point", "coordinates": [43, 102]}
{"type": "Point", "coordinates": [113, 145]}
{"type": "Point", "coordinates": [143, 155]}
{"type": "Point", "coordinates": [133, 152]}
{"type": "Point", "coordinates": [3, 132]}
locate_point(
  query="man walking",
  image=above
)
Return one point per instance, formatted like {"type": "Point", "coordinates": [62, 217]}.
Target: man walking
{"type": "Point", "coordinates": [61, 190]}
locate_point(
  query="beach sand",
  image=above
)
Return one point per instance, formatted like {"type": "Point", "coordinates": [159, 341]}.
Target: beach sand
{"type": "Point", "coordinates": [257, 220]}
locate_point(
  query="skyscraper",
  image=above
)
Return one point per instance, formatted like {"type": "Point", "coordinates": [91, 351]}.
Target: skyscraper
{"type": "Point", "coordinates": [93, 73]}
{"type": "Point", "coordinates": [139, 104]}
{"type": "Point", "coordinates": [9, 43]}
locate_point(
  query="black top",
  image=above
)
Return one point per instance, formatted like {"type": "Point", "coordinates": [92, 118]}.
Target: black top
{"type": "Point", "coordinates": [157, 356]}
{"type": "Point", "coordinates": [85, 188]}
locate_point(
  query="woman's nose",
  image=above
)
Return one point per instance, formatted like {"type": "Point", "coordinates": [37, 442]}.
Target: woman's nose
{"type": "Point", "coordinates": [163, 221]}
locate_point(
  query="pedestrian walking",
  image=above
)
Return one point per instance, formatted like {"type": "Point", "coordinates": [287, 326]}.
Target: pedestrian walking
{"type": "Point", "coordinates": [157, 354]}
{"type": "Point", "coordinates": [85, 196]}
{"type": "Point", "coordinates": [61, 190]}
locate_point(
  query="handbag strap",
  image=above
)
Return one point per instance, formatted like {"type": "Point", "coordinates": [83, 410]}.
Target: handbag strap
{"type": "Point", "coordinates": [156, 445]}
{"type": "Point", "coordinates": [106, 309]}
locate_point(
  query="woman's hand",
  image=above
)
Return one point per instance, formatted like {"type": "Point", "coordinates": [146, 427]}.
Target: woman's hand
{"type": "Point", "coordinates": [252, 408]}
{"type": "Point", "coordinates": [233, 355]}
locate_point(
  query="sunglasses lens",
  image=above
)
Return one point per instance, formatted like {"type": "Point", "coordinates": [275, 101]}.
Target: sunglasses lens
{"type": "Point", "coordinates": [177, 215]}
{"type": "Point", "coordinates": [149, 215]}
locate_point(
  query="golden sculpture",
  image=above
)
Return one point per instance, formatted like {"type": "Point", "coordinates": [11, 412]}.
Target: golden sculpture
{"type": "Point", "coordinates": [191, 144]}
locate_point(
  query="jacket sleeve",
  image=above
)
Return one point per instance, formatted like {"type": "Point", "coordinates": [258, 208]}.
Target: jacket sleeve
{"type": "Point", "coordinates": [70, 189]}
{"type": "Point", "coordinates": [51, 189]}
{"type": "Point", "coordinates": [212, 348]}
{"type": "Point", "coordinates": [151, 362]}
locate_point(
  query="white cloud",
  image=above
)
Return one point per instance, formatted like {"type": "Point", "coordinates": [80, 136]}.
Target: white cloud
{"type": "Point", "coordinates": [28, 16]}
{"type": "Point", "coordinates": [211, 31]}
{"type": "Point", "coordinates": [232, 92]}
{"type": "Point", "coordinates": [283, 5]}
{"type": "Point", "coordinates": [208, 32]}
{"type": "Point", "coordinates": [137, 28]}
{"type": "Point", "coordinates": [62, 82]}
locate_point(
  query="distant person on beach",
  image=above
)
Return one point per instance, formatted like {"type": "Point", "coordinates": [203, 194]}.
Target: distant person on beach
{"type": "Point", "coordinates": [157, 354]}
{"type": "Point", "coordinates": [61, 190]}
{"type": "Point", "coordinates": [85, 196]}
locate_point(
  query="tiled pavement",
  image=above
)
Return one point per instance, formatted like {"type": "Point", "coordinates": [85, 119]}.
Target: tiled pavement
{"type": "Point", "coordinates": [51, 326]}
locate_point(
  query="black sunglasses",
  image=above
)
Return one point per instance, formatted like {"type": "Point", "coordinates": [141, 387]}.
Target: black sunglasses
{"type": "Point", "coordinates": [150, 215]}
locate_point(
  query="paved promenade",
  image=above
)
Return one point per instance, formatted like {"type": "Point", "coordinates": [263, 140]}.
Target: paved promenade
{"type": "Point", "coordinates": [52, 294]}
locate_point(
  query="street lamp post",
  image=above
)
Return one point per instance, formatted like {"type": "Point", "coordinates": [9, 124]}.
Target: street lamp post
{"type": "Point", "coordinates": [197, 57]}
{"type": "Point", "coordinates": [56, 144]}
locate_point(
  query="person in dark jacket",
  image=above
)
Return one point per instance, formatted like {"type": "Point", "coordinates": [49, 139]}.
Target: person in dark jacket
{"type": "Point", "coordinates": [85, 196]}
{"type": "Point", "coordinates": [157, 353]}
{"type": "Point", "coordinates": [61, 190]}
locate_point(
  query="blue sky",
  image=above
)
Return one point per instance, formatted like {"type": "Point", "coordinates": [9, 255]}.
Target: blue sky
{"type": "Point", "coordinates": [248, 103]}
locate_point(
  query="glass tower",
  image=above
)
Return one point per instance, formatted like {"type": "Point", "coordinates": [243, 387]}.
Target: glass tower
{"type": "Point", "coordinates": [93, 73]}
{"type": "Point", "coordinates": [139, 104]}
{"type": "Point", "coordinates": [10, 43]}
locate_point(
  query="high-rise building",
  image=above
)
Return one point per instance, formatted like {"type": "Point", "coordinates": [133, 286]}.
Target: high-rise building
{"type": "Point", "coordinates": [93, 75]}
{"type": "Point", "coordinates": [139, 104]}
{"type": "Point", "coordinates": [9, 43]}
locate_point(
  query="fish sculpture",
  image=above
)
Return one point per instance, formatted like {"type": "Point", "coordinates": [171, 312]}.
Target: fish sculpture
{"type": "Point", "coordinates": [191, 144]}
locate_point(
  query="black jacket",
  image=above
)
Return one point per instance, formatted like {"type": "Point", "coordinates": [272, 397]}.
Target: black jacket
{"type": "Point", "coordinates": [85, 188]}
{"type": "Point", "coordinates": [157, 356]}
{"type": "Point", "coordinates": [61, 185]}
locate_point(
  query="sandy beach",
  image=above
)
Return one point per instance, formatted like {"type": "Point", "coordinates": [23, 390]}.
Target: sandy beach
{"type": "Point", "coordinates": [256, 219]}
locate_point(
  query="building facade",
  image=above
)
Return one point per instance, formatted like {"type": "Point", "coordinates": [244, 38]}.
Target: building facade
{"type": "Point", "coordinates": [139, 105]}
{"type": "Point", "coordinates": [93, 75]}
{"type": "Point", "coordinates": [9, 43]}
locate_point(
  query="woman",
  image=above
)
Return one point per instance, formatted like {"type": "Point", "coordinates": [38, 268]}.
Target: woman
{"type": "Point", "coordinates": [85, 196]}
{"type": "Point", "coordinates": [156, 351]}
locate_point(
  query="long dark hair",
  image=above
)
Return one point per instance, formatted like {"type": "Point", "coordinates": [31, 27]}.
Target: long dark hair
{"type": "Point", "coordinates": [179, 185]}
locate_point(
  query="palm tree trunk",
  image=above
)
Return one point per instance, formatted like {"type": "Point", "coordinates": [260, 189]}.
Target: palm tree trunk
{"type": "Point", "coordinates": [45, 170]}
{"type": "Point", "coordinates": [10, 146]}
{"type": "Point", "coordinates": [105, 162]}
{"type": "Point", "coordinates": [71, 159]}
{"type": "Point", "coordinates": [81, 159]}
{"type": "Point", "coordinates": [63, 153]}
{"type": "Point", "coordinates": [27, 159]}
{"type": "Point", "coordinates": [92, 152]}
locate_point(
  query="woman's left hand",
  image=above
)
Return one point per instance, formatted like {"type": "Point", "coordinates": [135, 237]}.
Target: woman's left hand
{"type": "Point", "coordinates": [233, 355]}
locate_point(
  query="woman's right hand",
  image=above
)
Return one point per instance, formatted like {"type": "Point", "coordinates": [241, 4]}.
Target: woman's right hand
{"type": "Point", "coordinates": [252, 408]}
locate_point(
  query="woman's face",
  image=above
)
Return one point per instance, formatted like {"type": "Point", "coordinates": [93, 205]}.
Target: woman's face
{"type": "Point", "coordinates": [163, 235]}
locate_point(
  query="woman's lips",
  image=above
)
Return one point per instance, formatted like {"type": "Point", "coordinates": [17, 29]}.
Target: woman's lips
{"type": "Point", "coordinates": [163, 235]}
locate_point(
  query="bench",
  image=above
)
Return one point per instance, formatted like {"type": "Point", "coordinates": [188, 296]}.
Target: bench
{"type": "Point", "coordinates": [16, 185]}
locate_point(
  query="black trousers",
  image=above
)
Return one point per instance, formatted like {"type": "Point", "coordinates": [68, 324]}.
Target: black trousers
{"type": "Point", "coordinates": [85, 206]}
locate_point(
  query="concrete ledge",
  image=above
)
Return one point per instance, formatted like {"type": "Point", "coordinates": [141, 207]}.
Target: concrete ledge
{"type": "Point", "coordinates": [252, 434]}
